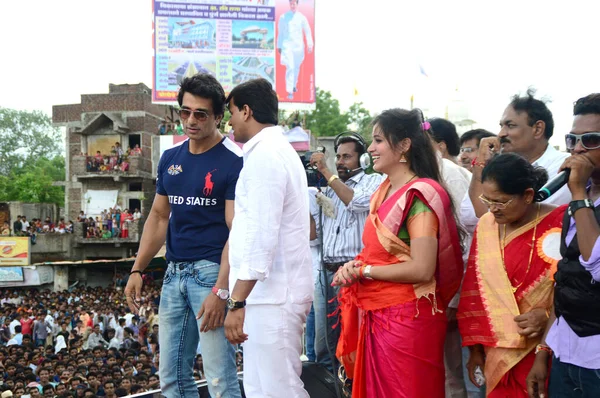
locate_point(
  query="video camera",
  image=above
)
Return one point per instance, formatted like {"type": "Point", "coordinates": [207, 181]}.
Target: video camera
{"type": "Point", "coordinates": [313, 177]}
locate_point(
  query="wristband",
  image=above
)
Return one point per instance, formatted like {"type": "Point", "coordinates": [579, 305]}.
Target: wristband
{"type": "Point", "coordinates": [332, 178]}
{"type": "Point", "coordinates": [543, 347]}
{"type": "Point", "coordinates": [476, 163]}
{"type": "Point", "coordinates": [136, 272]}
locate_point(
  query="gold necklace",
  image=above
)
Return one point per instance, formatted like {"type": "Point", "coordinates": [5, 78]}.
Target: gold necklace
{"type": "Point", "coordinates": [515, 288]}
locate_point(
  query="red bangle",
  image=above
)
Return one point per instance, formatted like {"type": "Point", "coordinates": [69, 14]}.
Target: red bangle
{"type": "Point", "coordinates": [476, 163]}
{"type": "Point", "coordinates": [361, 272]}
{"type": "Point", "coordinates": [543, 347]}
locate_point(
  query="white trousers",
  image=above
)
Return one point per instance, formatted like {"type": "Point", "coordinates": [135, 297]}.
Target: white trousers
{"type": "Point", "coordinates": [292, 60]}
{"type": "Point", "coordinates": [272, 364]}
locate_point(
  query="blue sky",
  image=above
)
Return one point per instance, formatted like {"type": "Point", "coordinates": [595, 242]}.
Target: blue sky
{"type": "Point", "coordinates": [488, 50]}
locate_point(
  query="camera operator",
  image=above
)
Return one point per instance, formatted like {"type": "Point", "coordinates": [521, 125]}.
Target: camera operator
{"type": "Point", "coordinates": [349, 191]}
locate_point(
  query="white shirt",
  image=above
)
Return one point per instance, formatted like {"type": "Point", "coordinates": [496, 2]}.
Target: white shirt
{"type": "Point", "coordinates": [315, 244]}
{"type": "Point", "coordinates": [25, 226]}
{"type": "Point", "coordinates": [12, 326]}
{"type": "Point", "coordinates": [551, 160]}
{"type": "Point", "coordinates": [457, 180]}
{"type": "Point", "coordinates": [270, 232]}
{"type": "Point", "coordinates": [137, 215]}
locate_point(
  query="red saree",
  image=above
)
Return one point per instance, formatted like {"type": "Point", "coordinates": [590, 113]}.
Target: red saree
{"type": "Point", "coordinates": [488, 305]}
{"type": "Point", "coordinates": [396, 348]}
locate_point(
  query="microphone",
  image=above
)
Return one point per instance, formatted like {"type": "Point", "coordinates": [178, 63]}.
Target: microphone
{"type": "Point", "coordinates": [353, 170]}
{"type": "Point", "coordinates": [553, 185]}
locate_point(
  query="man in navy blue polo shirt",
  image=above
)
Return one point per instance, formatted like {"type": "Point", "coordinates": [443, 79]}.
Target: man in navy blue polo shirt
{"type": "Point", "coordinates": [193, 210]}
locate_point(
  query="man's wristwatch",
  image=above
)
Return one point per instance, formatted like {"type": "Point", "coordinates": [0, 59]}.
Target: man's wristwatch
{"type": "Point", "coordinates": [234, 304]}
{"type": "Point", "coordinates": [579, 204]}
{"type": "Point", "coordinates": [223, 294]}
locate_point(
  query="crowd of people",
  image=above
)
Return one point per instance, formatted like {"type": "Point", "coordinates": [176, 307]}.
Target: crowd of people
{"type": "Point", "coordinates": [22, 227]}
{"type": "Point", "coordinates": [111, 223]}
{"type": "Point", "coordinates": [116, 160]}
{"type": "Point", "coordinates": [82, 343]}
{"type": "Point", "coordinates": [165, 128]}
{"type": "Point", "coordinates": [529, 293]}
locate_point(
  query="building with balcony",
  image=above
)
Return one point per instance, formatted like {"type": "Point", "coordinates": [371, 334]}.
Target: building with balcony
{"type": "Point", "coordinates": [104, 169]}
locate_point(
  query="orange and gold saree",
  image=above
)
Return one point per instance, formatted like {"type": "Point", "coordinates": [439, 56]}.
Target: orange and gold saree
{"type": "Point", "coordinates": [489, 303]}
{"type": "Point", "coordinates": [392, 335]}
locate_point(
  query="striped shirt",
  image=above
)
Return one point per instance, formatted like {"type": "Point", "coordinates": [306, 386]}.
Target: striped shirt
{"type": "Point", "coordinates": [343, 235]}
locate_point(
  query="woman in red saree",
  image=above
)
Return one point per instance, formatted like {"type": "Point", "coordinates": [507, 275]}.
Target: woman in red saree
{"type": "Point", "coordinates": [507, 291]}
{"type": "Point", "coordinates": [395, 292]}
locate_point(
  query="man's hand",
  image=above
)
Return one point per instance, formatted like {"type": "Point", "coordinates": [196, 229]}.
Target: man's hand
{"type": "Point", "coordinates": [476, 358]}
{"type": "Point", "coordinates": [213, 311]}
{"type": "Point", "coordinates": [234, 326]}
{"type": "Point", "coordinates": [581, 170]}
{"type": "Point", "coordinates": [133, 292]}
{"type": "Point", "coordinates": [538, 375]}
{"type": "Point", "coordinates": [488, 146]}
{"type": "Point", "coordinates": [532, 323]}
{"type": "Point", "coordinates": [318, 159]}
{"type": "Point", "coordinates": [279, 50]}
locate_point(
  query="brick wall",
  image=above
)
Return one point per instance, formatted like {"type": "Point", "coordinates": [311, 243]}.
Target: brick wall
{"type": "Point", "coordinates": [78, 165]}
{"type": "Point", "coordinates": [66, 113]}
{"type": "Point", "coordinates": [135, 124]}
{"type": "Point", "coordinates": [74, 198]}
{"type": "Point", "coordinates": [127, 88]}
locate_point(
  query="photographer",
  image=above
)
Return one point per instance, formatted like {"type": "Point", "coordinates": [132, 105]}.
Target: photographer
{"type": "Point", "coordinates": [349, 192]}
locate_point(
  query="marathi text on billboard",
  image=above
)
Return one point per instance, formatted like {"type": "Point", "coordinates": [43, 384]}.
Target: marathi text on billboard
{"type": "Point", "coordinates": [235, 41]}
{"type": "Point", "coordinates": [15, 251]}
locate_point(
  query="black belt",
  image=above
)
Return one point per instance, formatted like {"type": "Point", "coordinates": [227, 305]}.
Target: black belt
{"type": "Point", "coordinates": [333, 267]}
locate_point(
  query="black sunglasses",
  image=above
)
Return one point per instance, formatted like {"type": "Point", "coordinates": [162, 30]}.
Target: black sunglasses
{"type": "Point", "coordinates": [199, 115]}
{"type": "Point", "coordinates": [588, 140]}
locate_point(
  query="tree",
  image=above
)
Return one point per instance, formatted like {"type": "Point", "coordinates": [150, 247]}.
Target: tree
{"type": "Point", "coordinates": [33, 183]}
{"type": "Point", "coordinates": [26, 136]}
{"type": "Point", "coordinates": [326, 119]}
{"type": "Point", "coordinates": [30, 158]}
{"type": "Point", "coordinates": [360, 120]}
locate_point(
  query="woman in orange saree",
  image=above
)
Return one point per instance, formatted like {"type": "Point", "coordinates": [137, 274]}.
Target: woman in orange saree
{"type": "Point", "coordinates": [508, 287]}
{"type": "Point", "coordinates": [394, 293]}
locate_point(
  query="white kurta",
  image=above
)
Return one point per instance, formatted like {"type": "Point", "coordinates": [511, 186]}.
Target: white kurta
{"type": "Point", "coordinates": [292, 28]}
{"type": "Point", "coordinates": [269, 243]}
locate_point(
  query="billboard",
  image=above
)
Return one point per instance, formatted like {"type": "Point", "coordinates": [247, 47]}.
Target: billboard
{"type": "Point", "coordinates": [235, 41]}
{"type": "Point", "coordinates": [15, 251]}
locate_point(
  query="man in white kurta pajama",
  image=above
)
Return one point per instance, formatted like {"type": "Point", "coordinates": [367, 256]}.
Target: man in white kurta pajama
{"type": "Point", "coordinates": [292, 28]}
{"type": "Point", "coordinates": [271, 266]}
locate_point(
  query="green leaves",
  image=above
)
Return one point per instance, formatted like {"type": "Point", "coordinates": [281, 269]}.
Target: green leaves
{"type": "Point", "coordinates": [328, 120]}
{"type": "Point", "coordinates": [30, 158]}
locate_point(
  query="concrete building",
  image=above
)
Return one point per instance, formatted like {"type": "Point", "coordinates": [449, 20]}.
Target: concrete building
{"type": "Point", "coordinates": [125, 116]}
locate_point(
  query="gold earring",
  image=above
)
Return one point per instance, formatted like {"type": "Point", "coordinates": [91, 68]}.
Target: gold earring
{"type": "Point", "coordinates": [402, 159]}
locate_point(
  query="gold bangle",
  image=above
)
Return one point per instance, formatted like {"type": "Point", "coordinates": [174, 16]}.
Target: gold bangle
{"type": "Point", "coordinates": [332, 178]}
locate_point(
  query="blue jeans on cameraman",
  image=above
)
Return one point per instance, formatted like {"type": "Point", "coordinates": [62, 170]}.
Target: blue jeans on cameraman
{"type": "Point", "coordinates": [185, 286]}
{"type": "Point", "coordinates": [567, 381]}
{"type": "Point", "coordinates": [309, 336]}
{"type": "Point", "coordinates": [325, 335]}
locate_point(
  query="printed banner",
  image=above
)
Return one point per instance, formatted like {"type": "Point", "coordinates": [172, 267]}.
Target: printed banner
{"type": "Point", "coordinates": [15, 251]}
{"type": "Point", "coordinates": [235, 41]}
{"type": "Point", "coordinates": [11, 274]}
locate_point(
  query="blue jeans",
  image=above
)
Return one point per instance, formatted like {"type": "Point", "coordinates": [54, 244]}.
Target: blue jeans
{"type": "Point", "coordinates": [310, 335]}
{"type": "Point", "coordinates": [568, 381]}
{"type": "Point", "coordinates": [185, 286]}
{"type": "Point", "coordinates": [325, 335]}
